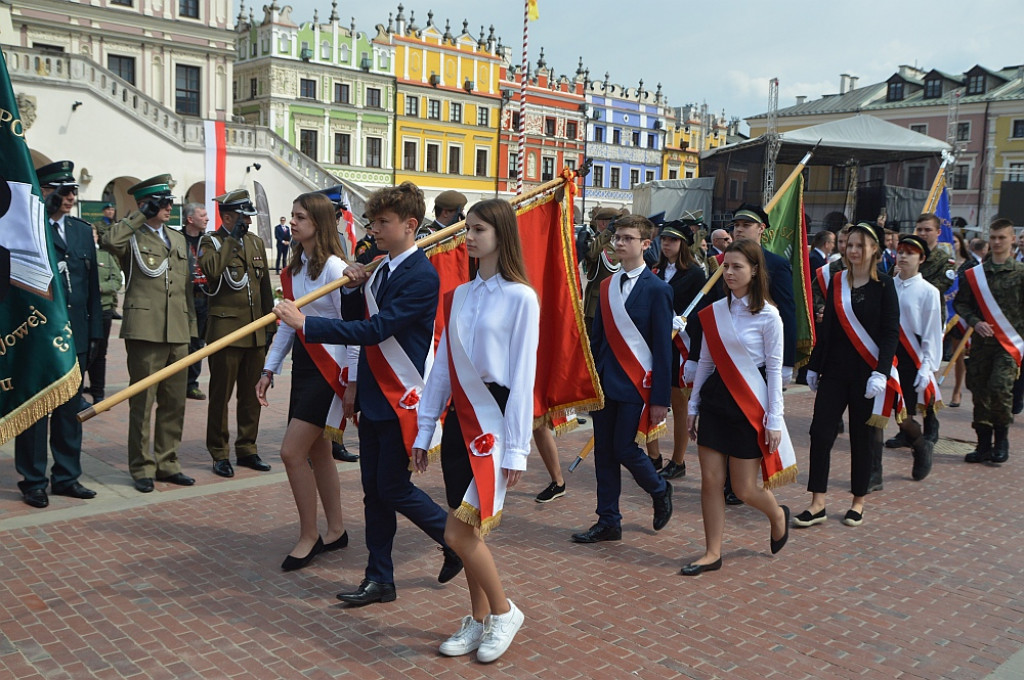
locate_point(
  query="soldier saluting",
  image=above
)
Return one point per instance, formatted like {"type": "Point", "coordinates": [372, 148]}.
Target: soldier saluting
{"type": "Point", "coordinates": [238, 281]}
{"type": "Point", "coordinates": [159, 318]}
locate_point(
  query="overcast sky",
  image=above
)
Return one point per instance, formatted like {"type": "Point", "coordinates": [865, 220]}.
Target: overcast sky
{"type": "Point", "coordinates": [724, 53]}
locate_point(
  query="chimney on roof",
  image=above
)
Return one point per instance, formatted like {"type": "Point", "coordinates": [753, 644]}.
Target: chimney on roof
{"type": "Point", "coordinates": [800, 99]}
{"type": "Point", "coordinates": [853, 82]}
{"type": "Point", "coordinates": [844, 82]}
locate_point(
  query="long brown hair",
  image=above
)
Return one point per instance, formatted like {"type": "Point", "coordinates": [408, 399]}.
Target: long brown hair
{"type": "Point", "coordinates": [684, 259]}
{"type": "Point", "coordinates": [501, 215]}
{"type": "Point", "coordinates": [327, 243]}
{"type": "Point", "coordinates": [757, 294]}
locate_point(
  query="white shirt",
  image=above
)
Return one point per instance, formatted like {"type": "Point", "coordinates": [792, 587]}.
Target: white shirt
{"type": "Point", "coordinates": [499, 324]}
{"type": "Point", "coordinates": [328, 306]}
{"type": "Point", "coordinates": [761, 334]}
{"type": "Point", "coordinates": [670, 271]}
{"type": "Point", "coordinates": [631, 276]}
{"type": "Point", "coordinates": [60, 227]}
{"type": "Point", "coordinates": [921, 315]}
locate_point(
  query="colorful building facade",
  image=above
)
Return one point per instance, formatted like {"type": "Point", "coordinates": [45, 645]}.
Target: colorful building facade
{"type": "Point", "coordinates": [691, 129]}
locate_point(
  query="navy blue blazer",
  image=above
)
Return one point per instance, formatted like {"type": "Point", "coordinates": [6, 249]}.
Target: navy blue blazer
{"type": "Point", "coordinates": [85, 309]}
{"type": "Point", "coordinates": [407, 304]}
{"type": "Point", "coordinates": [780, 287]}
{"type": "Point", "coordinates": [650, 307]}
{"type": "Point", "coordinates": [816, 261]}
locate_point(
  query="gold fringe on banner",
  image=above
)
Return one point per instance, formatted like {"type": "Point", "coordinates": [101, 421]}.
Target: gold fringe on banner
{"type": "Point", "coordinates": [47, 399]}
{"type": "Point", "coordinates": [782, 478]}
{"type": "Point", "coordinates": [333, 434]}
{"type": "Point", "coordinates": [655, 433]}
{"type": "Point", "coordinates": [471, 516]}
{"type": "Point", "coordinates": [446, 246]}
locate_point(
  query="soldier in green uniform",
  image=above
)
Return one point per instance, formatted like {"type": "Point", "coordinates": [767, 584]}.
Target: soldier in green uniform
{"type": "Point", "coordinates": [110, 285]}
{"type": "Point", "coordinates": [159, 319]}
{"type": "Point", "coordinates": [597, 253]}
{"type": "Point", "coordinates": [448, 207]}
{"type": "Point", "coordinates": [76, 272]}
{"type": "Point", "coordinates": [238, 279]}
{"type": "Point", "coordinates": [992, 368]}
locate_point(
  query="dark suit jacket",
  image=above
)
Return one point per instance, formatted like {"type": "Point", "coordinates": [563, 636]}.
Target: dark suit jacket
{"type": "Point", "coordinates": [685, 284]}
{"type": "Point", "coordinates": [816, 260]}
{"type": "Point", "coordinates": [780, 288]}
{"type": "Point", "coordinates": [650, 307]}
{"type": "Point", "coordinates": [281, 234]}
{"type": "Point", "coordinates": [408, 304]}
{"type": "Point", "coordinates": [85, 308]}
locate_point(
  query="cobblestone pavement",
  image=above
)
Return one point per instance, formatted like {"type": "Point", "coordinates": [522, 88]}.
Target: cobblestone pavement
{"type": "Point", "coordinates": [185, 582]}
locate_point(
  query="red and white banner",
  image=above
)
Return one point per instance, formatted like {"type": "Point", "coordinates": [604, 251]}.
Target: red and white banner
{"type": "Point", "coordinates": [891, 401]}
{"type": "Point", "coordinates": [682, 344]}
{"type": "Point", "coordinates": [821, 276]}
{"type": "Point", "coordinates": [1004, 331]}
{"type": "Point", "coordinates": [216, 163]}
{"type": "Point", "coordinates": [929, 394]}
{"type": "Point", "coordinates": [748, 388]}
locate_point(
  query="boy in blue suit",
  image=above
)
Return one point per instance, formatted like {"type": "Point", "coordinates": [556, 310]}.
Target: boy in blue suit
{"type": "Point", "coordinates": [395, 340]}
{"type": "Point", "coordinates": [631, 343]}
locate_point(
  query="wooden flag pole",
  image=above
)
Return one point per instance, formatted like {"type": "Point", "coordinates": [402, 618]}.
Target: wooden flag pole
{"type": "Point", "coordinates": [583, 454]}
{"type": "Point", "coordinates": [181, 364]}
{"type": "Point", "coordinates": [949, 324]}
{"type": "Point", "coordinates": [937, 185]}
{"type": "Point", "coordinates": [956, 353]}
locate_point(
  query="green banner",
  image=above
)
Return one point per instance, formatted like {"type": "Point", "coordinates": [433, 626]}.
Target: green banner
{"type": "Point", "coordinates": [788, 237]}
{"type": "Point", "coordinates": [38, 366]}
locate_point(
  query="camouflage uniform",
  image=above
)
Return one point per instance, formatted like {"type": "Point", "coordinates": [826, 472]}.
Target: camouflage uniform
{"type": "Point", "coordinates": [940, 271]}
{"type": "Point", "coordinates": [991, 371]}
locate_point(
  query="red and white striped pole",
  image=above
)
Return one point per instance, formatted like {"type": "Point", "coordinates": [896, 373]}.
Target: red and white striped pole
{"type": "Point", "coordinates": [520, 162]}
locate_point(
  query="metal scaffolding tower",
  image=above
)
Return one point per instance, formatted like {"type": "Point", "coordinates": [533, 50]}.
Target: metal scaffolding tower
{"type": "Point", "coordinates": [774, 142]}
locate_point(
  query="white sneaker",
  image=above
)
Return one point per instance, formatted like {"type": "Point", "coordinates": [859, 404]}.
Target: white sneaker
{"type": "Point", "coordinates": [498, 633]}
{"type": "Point", "coordinates": [465, 640]}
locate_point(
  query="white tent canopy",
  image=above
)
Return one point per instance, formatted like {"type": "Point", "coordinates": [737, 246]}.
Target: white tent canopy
{"type": "Point", "coordinates": [861, 138]}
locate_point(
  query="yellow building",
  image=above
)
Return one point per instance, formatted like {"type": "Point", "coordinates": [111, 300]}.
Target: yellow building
{"type": "Point", "coordinates": [447, 107]}
{"type": "Point", "coordinates": [691, 131]}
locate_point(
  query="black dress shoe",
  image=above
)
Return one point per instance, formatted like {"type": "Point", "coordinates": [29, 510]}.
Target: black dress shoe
{"type": "Point", "coordinates": [145, 484]}
{"type": "Point", "coordinates": [292, 563]}
{"type": "Point", "coordinates": [370, 592]}
{"type": "Point", "coordinates": [223, 468]}
{"type": "Point", "coordinates": [598, 533]}
{"type": "Point", "coordinates": [75, 490]}
{"type": "Point", "coordinates": [451, 567]}
{"type": "Point", "coordinates": [253, 462]}
{"type": "Point", "coordinates": [663, 508]}
{"type": "Point", "coordinates": [339, 452]}
{"type": "Point", "coordinates": [36, 498]}
{"type": "Point", "coordinates": [178, 478]}
{"type": "Point", "coordinates": [732, 499]}
{"type": "Point", "coordinates": [777, 545]}
{"type": "Point", "coordinates": [695, 569]}
{"type": "Point", "coordinates": [673, 470]}
{"type": "Point", "coordinates": [337, 544]}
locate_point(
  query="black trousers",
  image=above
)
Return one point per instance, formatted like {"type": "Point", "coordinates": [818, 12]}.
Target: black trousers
{"type": "Point", "coordinates": [834, 396]}
{"type": "Point", "coordinates": [98, 367]}
{"type": "Point", "coordinates": [195, 344]}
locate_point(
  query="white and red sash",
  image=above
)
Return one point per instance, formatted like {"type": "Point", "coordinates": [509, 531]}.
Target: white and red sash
{"type": "Point", "coordinates": [821, 276]}
{"type": "Point", "coordinates": [331, 361]}
{"type": "Point", "coordinates": [482, 424]}
{"type": "Point", "coordinates": [1005, 333]}
{"type": "Point", "coordinates": [749, 389]}
{"type": "Point", "coordinates": [630, 350]}
{"type": "Point", "coordinates": [891, 401]}
{"type": "Point", "coordinates": [682, 344]}
{"type": "Point", "coordinates": [929, 394]}
{"type": "Point", "coordinates": [396, 374]}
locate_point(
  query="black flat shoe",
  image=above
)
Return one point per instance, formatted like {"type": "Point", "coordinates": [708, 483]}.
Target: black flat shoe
{"type": "Point", "coordinates": [341, 542]}
{"type": "Point", "coordinates": [451, 567]}
{"type": "Point", "coordinates": [222, 468]}
{"type": "Point", "coordinates": [663, 508]}
{"type": "Point", "coordinates": [597, 534]}
{"type": "Point", "coordinates": [144, 485]}
{"type": "Point", "coordinates": [178, 478]}
{"type": "Point", "coordinates": [75, 490]}
{"type": "Point", "coordinates": [806, 519]}
{"type": "Point", "coordinates": [369, 592]}
{"type": "Point", "coordinates": [777, 545]}
{"type": "Point", "coordinates": [253, 462]}
{"type": "Point", "coordinates": [340, 453]}
{"type": "Point", "coordinates": [672, 470]}
{"type": "Point", "coordinates": [732, 499]}
{"type": "Point", "coordinates": [697, 569]}
{"type": "Point", "coordinates": [36, 498]}
{"type": "Point", "coordinates": [292, 563]}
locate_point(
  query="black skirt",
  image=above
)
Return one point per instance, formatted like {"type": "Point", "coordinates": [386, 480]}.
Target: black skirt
{"type": "Point", "coordinates": [721, 424]}
{"type": "Point", "coordinates": [455, 466]}
{"type": "Point", "coordinates": [311, 395]}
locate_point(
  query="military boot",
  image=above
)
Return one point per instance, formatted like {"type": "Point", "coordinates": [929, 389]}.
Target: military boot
{"type": "Point", "coordinates": [1001, 448]}
{"type": "Point", "coordinates": [984, 451]}
{"type": "Point", "coordinates": [923, 450]}
{"type": "Point", "coordinates": [931, 426]}
{"type": "Point", "coordinates": [898, 442]}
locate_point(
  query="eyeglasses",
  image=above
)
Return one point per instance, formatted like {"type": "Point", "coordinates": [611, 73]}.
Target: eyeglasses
{"type": "Point", "coordinates": [64, 191]}
{"type": "Point", "coordinates": [625, 240]}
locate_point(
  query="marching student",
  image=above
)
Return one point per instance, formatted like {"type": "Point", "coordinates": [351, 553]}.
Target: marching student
{"type": "Point", "coordinates": [678, 268]}
{"type": "Point", "coordinates": [852, 367]}
{"type": "Point", "coordinates": [631, 344]}
{"type": "Point", "coordinates": [920, 350]}
{"type": "Point", "coordinates": [392, 318]}
{"type": "Point", "coordinates": [991, 300]}
{"type": "Point", "coordinates": [486, 364]}
{"type": "Point", "coordinates": [737, 399]}
{"type": "Point", "coordinates": [316, 392]}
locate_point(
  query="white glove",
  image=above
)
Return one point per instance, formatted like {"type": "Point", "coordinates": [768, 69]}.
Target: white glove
{"type": "Point", "coordinates": [689, 372]}
{"type": "Point", "coordinates": [678, 324]}
{"type": "Point", "coordinates": [787, 375]}
{"type": "Point", "coordinates": [876, 386]}
{"type": "Point", "coordinates": [924, 376]}
{"type": "Point", "coordinates": [812, 380]}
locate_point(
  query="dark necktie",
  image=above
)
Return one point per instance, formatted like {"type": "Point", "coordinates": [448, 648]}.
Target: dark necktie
{"type": "Point", "coordinates": [56, 229]}
{"type": "Point", "coordinates": [381, 279]}
{"type": "Point", "coordinates": [622, 283]}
